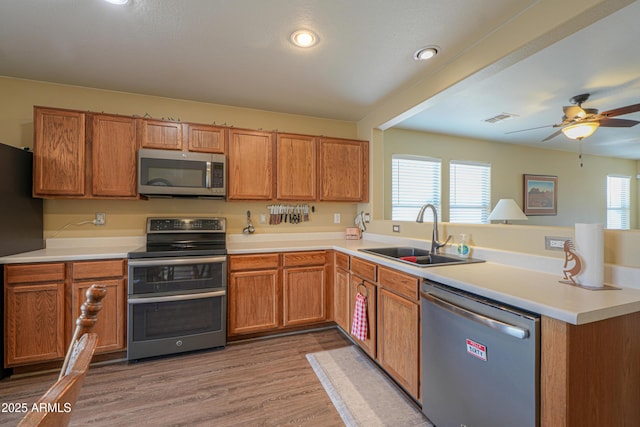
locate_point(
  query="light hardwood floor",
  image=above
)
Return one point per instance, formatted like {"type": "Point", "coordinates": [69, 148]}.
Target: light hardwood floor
{"type": "Point", "coordinates": [265, 382]}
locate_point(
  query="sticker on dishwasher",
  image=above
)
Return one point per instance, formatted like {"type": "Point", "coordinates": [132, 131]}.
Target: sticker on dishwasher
{"type": "Point", "coordinates": [476, 349]}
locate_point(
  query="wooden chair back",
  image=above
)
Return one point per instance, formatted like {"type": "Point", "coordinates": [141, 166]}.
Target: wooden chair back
{"type": "Point", "coordinates": [54, 407]}
{"type": "Point", "coordinates": [87, 319]}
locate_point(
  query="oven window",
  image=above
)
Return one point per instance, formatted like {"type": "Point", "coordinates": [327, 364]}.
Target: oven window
{"type": "Point", "coordinates": [177, 278]}
{"type": "Point", "coordinates": [176, 318]}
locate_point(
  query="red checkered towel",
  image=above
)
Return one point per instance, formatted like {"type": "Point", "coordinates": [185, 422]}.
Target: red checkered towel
{"type": "Point", "coordinates": [359, 326]}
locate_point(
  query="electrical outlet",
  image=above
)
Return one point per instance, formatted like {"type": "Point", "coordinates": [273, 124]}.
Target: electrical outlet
{"type": "Point", "coordinates": [396, 228]}
{"type": "Point", "coordinates": [555, 243]}
{"type": "Point", "coordinates": [336, 218]}
{"type": "Point", "coordinates": [367, 217]}
{"type": "Point", "coordinates": [101, 218]}
{"type": "Point", "coordinates": [263, 218]}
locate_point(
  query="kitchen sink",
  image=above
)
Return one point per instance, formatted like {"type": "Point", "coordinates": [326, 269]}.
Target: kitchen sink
{"type": "Point", "coordinates": [418, 257]}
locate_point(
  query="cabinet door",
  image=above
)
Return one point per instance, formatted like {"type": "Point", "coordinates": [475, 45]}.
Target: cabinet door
{"type": "Point", "coordinates": [114, 156]}
{"type": "Point", "coordinates": [304, 295]}
{"type": "Point", "coordinates": [250, 165]}
{"type": "Point", "coordinates": [110, 325]}
{"type": "Point", "coordinates": [161, 134]}
{"type": "Point", "coordinates": [296, 167]}
{"type": "Point", "coordinates": [35, 323]}
{"type": "Point", "coordinates": [369, 290]}
{"type": "Point", "coordinates": [59, 153]}
{"type": "Point", "coordinates": [341, 302]}
{"type": "Point", "coordinates": [253, 301]}
{"type": "Point", "coordinates": [205, 138]}
{"type": "Point", "coordinates": [344, 170]}
{"type": "Point", "coordinates": [398, 339]}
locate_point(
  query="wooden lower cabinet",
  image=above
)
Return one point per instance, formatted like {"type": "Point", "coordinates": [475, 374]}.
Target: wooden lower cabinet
{"type": "Point", "coordinates": [271, 292]}
{"type": "Point", "coordinates": [253, 301]}
{"type": "Point", "coordinates": [42, 303]}
{"type": "Point", "coordinates": [398, 339]}
{"type": "Point", "coordinates": [369, 290]}
{"type": "Point", "coordinates": [111, 323]}
{"type": "Point", "coordinates": [34, 315]}
{"type": "Point", "coordinates": [304, 295]}
{"type": "Point", "coordinates": [341, 302]}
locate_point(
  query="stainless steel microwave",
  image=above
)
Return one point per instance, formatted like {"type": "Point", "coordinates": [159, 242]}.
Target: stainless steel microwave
{"type": "Point", "coordinates": [167, 173]}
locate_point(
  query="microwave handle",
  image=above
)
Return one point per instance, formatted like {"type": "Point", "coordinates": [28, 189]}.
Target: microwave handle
{"type": "Point", "coordinates": [207, 180]}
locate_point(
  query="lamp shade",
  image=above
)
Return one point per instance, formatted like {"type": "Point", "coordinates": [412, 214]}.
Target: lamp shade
{"type": "Point", "coordinates": [506, 210]}
{"type": "Point", "coordinates": [580, 130]}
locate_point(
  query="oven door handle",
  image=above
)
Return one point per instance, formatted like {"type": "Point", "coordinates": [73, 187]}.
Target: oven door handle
{"type": "Point", "coordinates": [183, 297]}
{"type": "Point", "coordinates": [176, 261]}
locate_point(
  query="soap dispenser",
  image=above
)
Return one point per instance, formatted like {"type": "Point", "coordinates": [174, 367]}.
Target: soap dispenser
{"type": "Point", "coordinates": [463, 247]}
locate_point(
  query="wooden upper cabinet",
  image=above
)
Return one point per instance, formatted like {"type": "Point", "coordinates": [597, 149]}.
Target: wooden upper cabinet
{"type": "Point", "coordinates": [296, 167]}
{"type": "Point", "coordinates": [204, 138]}
{"type": "Point", "coordinates": [114, 156]}
{"type": "Point", "coordinates": [59, 152]}
{"type": "Point", "coordinates": [344, 170]}
{"type": "Point", "coordinates": [161, 134]}
{"type": "Point", "coordinates": [251, 155]}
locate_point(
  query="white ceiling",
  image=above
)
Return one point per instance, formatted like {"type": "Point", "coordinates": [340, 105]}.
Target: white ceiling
{"type": "Point", "coordinates": [237, 53]}
{"type": "Point", "coordinates": [602, 59]}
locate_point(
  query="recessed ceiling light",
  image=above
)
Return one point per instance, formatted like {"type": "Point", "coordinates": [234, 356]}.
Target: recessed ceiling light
{"type": "Point", "coordinates": [304, 38]}
{"type": "Point", "coordinates": [427, 52]}
{"type": "Point", "coordinates": [120, 2]}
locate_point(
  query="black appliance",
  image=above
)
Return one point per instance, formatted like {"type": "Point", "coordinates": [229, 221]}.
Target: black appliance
{"type": "Point", "coordinates": [177, 296]}
{"type": "Point", "coordinates": [20, 217]}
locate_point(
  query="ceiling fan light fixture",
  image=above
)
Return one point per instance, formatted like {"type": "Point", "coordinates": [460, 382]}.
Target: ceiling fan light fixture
{"type": "Point", "coordinates": [580, 130]}
{"type": "Point", "coordinates": [426, 52]}
{"type": "Point", "coordinates": [574, 112]}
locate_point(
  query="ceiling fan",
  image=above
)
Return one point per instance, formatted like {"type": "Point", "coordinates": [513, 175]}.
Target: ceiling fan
{"type": "Point", "coordinates": [578, 123]}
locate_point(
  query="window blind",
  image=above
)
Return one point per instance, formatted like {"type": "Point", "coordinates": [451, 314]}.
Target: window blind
{"type": "Point", "coordinates": [415, 180]}
{"type": "Point", "coordinates": [469, 192]}
{"type": "Point", "coordinates": [618, 201]}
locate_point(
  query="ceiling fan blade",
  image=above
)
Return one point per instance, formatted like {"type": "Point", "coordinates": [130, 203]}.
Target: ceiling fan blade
{"type": "Point", "coordinates": [553, 135]}
{"type": "Point", "coordinates": [524, 130]}
{"type": "Point", "coordinates": [618, 123]}
{"type": "Point", "coordinates": [622, 110]}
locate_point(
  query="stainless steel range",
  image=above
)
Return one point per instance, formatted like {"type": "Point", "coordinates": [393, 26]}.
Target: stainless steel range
{"type": "Point", "coordinates": [177, 295]}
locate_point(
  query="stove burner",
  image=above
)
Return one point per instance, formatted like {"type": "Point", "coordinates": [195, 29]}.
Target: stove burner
{"type": "Point", "coordinates": [180, 237]}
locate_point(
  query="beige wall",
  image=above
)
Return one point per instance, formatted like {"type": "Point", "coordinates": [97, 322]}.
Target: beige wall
{"type": "Point", "coordinates": [581, 190]}
{"type": "Point", "coordinates": [620, 246]}
{"type": "Point", "coordinates": [127, 218]}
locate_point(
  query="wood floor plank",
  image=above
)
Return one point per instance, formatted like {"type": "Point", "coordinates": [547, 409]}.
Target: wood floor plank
{"type": "Point", "coordinates": [264, 382]}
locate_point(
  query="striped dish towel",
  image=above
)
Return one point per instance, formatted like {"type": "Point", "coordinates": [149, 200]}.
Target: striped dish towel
{"type": "Point", "coordinates": [359, 326]}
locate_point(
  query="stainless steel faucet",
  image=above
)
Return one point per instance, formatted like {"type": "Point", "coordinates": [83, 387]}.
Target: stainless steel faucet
{"type": "Point", "coordinates": [435, 244]}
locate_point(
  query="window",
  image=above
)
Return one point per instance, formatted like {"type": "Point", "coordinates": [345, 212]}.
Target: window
{"type": "Point", "coordinates": [415, 181]}
{"type": "Point", "coordinates": [618, 198]}
{"type": "Point", "coordinates": [469, 192]}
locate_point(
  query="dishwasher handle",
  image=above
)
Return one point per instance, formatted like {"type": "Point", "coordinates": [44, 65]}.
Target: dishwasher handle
{"type": "Point", "coordinates": [498, 325]}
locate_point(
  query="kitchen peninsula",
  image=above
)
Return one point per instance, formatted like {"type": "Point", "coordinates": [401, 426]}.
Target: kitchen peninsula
{"type": "Point", "coordinates": [590, 345]}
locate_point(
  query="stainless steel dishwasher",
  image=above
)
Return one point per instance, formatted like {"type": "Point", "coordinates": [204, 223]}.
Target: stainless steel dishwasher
{"type": "Point", "coordinates": [480, 360]}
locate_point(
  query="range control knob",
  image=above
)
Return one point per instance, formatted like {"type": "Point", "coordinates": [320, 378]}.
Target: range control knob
{"type": "Point", "coordinates": [179, 343]}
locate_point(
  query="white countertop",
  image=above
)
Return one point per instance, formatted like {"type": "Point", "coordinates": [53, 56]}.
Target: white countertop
{"type": "Point", "coordinates": [536, 291]}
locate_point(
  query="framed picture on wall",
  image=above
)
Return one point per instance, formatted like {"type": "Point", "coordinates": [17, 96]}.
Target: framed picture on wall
{"type": "Point", "coordinates": [540, 195]}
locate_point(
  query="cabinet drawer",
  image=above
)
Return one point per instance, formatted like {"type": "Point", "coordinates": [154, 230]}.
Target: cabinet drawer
{"type": "Point", "coordinates": [294, 259]}
{"type": "Point", "coordinates": [253, 262]}
{"type": "Point", "coordinates": [32, 273]}
{"type": "Point", "coordinates": [97, 269]}
{"type": "Point", "coordinates": [364, 269]}
{"type": "Point", "coordinates": [342, 260]}
{"type": "Point", "coordinates": [400, 283]}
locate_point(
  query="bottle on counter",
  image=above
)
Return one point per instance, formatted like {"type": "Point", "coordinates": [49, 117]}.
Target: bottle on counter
{"type": "Point", "coordinates": [463, 247]}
